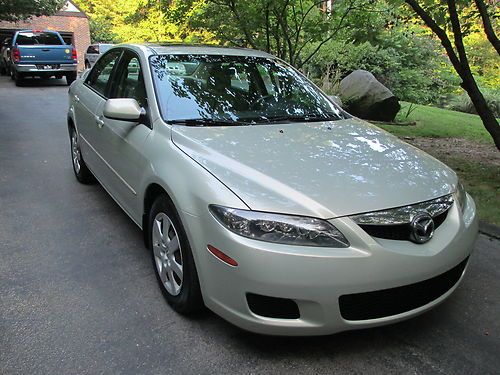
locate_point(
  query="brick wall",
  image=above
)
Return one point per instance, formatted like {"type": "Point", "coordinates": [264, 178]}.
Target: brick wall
{"type": "Point", "coordinates": [78, 25]}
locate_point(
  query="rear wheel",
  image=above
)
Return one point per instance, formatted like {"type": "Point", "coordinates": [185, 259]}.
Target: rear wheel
{"type": "Point", "coordinates": [70, 78]}
{"type": "Point", "coordinates": [172, 258]}
{"type": "Point", "coordinates": [82, 173]}
{"type": "Point", "coordinates": [17, 77]}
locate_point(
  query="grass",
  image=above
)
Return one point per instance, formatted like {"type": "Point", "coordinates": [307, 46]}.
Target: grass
{"type": "Point", "coordinates": [482, 182]}
{"type": "Point", "coordinates": [480, 177]}
{"type": "Point", "coordinates": [439, 123]}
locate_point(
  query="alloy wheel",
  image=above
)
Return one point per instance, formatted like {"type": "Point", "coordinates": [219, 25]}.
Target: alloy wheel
{"type": "Point", "coordinates": [167, 253]}
{"type": "Point", "coordinates": [75, 152]}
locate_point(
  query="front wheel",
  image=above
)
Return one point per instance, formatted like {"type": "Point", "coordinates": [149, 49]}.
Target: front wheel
{"type": "Point", "coordinates": [82, 173]}
{"type": "Point", "coordinates": [172, 258]}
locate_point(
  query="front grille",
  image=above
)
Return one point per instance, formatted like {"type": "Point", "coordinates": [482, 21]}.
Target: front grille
{"type": "Point", "coordinates": [388, 302]}
{"type": "Point", "coordinates": [400, 232]}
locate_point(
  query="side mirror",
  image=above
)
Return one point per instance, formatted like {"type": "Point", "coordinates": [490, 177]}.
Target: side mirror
{"type": "Point", "coordinates": [124, 109]}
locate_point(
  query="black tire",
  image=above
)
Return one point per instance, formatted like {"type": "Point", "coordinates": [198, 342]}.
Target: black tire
{"type": "Point", "coordinates": [189, 299]}
{"type": "Point", "coordinates": [59, 76]}
{"type": "Point", "coordinates": [82, 173]}
{"type": "Point", "coordinates": [18, 78]}
{"type": "Point", "coordinates": [70, 78]}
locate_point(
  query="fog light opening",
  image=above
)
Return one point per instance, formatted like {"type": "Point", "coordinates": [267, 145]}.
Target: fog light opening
{"type": "Point", "coordinates": [220, 255]}
{"type": "Point", "coordinates": [273, 307]}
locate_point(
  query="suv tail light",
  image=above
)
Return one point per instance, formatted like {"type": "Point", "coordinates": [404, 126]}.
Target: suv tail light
{"type": "Point", "coordinates": [73, 54]}
{"type": "Point", "coordinates": [16, 55]}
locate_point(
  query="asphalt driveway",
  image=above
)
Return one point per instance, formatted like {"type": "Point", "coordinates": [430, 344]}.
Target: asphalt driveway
{"type": "Point", "coordinates": [78, 292]}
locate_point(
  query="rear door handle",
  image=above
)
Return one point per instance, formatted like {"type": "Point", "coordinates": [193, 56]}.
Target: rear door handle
{"type": "Point", "coordinates": [77, 99]}
{"type": "Point", "coordinates": [99, 121]}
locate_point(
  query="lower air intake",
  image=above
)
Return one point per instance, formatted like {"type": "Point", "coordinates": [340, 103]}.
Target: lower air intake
{"type": "Point", "coordinates": [387, 302]}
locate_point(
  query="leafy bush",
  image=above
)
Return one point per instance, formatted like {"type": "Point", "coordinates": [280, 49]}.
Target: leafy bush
{"type": "Point", "coordinates": [462, 103]}
{"type": "Point", "coordinates": [408, 63]}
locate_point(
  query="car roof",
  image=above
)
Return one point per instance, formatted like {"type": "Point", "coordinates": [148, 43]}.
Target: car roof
{"type": "Point", "coordinates": [200, 49]}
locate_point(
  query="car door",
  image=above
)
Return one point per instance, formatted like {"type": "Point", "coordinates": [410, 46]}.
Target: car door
{"type": "Point", "coordinates": [88, 99]}
{"type": "Point", "coordinates": [121, 143]}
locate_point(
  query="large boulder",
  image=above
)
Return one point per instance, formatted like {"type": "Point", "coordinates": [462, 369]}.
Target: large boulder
{"type": "Point", "coordinates": [365, 97]}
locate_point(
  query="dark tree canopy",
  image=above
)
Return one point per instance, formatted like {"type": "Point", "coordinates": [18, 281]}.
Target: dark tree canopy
{"type": "Point", "coordinates": [19, 10]}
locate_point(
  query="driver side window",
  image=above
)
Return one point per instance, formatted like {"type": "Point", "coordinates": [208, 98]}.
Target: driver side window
{"type": "Point", "coordinates": [100, 74]}
{"type": "Point", "coordinates": [130, 80]}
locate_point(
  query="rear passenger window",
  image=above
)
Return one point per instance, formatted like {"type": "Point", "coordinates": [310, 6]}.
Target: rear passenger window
{"type": "Point", "coordinates": [100, 74]}
{"type": "Point", "coordinates": [92, 49]}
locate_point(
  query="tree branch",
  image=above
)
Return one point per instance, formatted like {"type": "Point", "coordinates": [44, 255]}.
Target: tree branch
{"type": "Point", "coordinates": [457, 35]}
{"type": "Point", "coordinates": [441, 34]}
{"type": "Point", "coordinates": [488, 28]}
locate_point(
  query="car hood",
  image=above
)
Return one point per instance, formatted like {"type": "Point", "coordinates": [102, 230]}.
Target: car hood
{"type": "Point", "coordinates": [321, 169]}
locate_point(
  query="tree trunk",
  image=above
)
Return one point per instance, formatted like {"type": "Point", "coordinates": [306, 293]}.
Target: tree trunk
{"type": "Point", "coordinates": [485, 113]}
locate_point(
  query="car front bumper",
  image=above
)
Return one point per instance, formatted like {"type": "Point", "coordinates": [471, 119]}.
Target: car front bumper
{"type": "Point", "coordinates": [33, 69]}
{"type": "Point", "coordinates": [315, 278]}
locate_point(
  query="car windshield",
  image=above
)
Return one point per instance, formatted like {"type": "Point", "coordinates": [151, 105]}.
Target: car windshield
{"type": "Point", "coordinates": [221, 90]}
{"type": "Point", "coordinates": [31, 38]}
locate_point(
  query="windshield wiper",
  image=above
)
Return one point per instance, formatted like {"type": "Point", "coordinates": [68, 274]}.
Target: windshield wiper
{"type": "Point", "coordinates": [301, 118]}
{"type": "Point", "coordinates": [206, 122]}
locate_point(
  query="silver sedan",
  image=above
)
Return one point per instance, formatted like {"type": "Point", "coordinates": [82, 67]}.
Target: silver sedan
{"type": "Point", "coordinates": [263, 200]}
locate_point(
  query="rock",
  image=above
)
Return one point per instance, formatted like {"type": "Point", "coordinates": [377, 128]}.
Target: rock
{"type": "Point", "coordinates": [336, 99]}
{"type": "Point", "coordinates": [365, 97]}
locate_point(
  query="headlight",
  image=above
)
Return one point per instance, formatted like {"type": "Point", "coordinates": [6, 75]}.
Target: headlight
{"type": "Point", "coordinates": [461, 196]}
{"type": "Point", "coordinates": [284, 229]}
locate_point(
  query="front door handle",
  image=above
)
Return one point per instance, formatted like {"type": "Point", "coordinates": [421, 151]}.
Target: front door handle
{"type": "Point", "coordinates": [99, 121]}
{"type": "Point", "coordinates": [77, 99]}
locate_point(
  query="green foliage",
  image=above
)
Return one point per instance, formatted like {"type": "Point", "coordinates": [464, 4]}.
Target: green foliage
{"type": "Point", "coordinates": [142, 20]}
{"type": "Point", "coordinates": [19, 10]}
{"type": "Point", "coordinates": [462, 103]}
{"type": "Point", "coordinates": [283, 27]}
{"type": "Point", "coordinates": [407, 62]}
{"type": "Point", "coordinates": [483, 59]}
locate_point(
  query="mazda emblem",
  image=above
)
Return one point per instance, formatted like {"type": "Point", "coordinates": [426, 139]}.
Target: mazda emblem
{"type": "Point", "coordinates": [422, 227]}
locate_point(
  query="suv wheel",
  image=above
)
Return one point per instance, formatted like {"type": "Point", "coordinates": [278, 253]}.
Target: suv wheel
{"type": "Point", "coordinates": [17, 77]}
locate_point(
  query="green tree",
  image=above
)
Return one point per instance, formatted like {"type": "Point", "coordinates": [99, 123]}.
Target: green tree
{"type": "Point", "coordinates": [452, 20]}
{"type": "Point", "coordinates": [282, 27]}
{"type": "Point", "coordinates": [19, 10]}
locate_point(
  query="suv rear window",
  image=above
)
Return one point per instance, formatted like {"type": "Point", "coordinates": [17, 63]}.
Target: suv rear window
{"type": "Point", "coordinates": [31, 38]}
